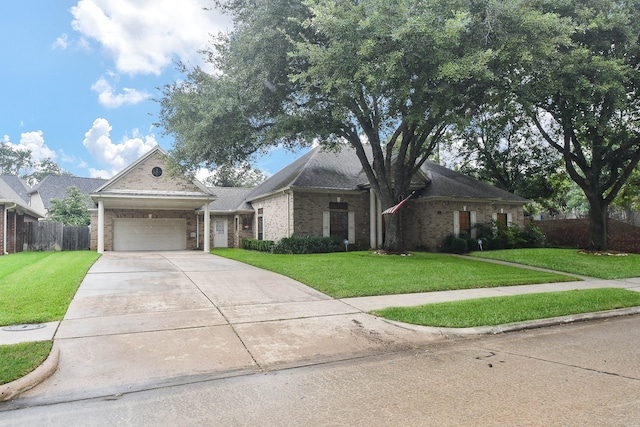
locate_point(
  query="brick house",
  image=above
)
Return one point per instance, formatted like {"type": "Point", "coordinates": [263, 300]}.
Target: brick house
{"type": "Point", "coordinates": [15, 212]}
{"type": "Point", "coordinates": [322, 193]}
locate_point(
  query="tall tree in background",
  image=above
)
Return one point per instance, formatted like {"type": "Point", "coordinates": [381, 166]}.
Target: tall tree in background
{"type": "Point", "coordinates": [500, 146]}
{"type": "Point", "coordinates": [584, 97]}
{"type": "Point", "coordinates": [386, 77]}
{"type": "Point", "coordinates": [13, 161]}
{"type": "Point", "coordinates": [72, 210]}
{"type": "Point", "coordinates": [43, 168]}
{"type": "Point", "coordinates": [241, 176]}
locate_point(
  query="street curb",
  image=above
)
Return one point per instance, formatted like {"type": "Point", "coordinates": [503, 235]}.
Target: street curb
{"type": "Point", "coordinates": [45, 370]}
{"type": "Point", "coordinates": [518, 326]}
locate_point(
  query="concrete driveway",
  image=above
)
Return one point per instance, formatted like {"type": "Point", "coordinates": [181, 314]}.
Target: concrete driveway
{"type": "Point", "coordinates": [142, 320]}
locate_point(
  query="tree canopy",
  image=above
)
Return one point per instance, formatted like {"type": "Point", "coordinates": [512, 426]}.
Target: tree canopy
{"type": "Point", "coordinates": [392, 77]}
{"type": "Point", "coordinates": [386, 77]}
{"type": "Point", "coordinates": [583, 96]}
{"type": "Point", "coordinates": [72, 210]}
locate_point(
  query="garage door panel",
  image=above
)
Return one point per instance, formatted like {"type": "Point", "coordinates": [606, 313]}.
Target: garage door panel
{"type": "Point", "coordinates": [142, 234]}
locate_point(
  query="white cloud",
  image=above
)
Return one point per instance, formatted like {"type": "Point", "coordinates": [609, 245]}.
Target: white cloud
{"type": "Point", "coordinates": [114, 156]}
{"type": "Point", "coordinates": [146, 36]}
{"type": "Point", "coordinates": [61, 42]}
{"type": "Point", "coordinates": [109, 99]}
{"type": "Point", "coordinates": [33, 141]}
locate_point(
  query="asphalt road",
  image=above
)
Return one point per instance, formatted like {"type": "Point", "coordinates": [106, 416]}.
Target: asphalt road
{"type": "Point", "coordinates": [584, 374]}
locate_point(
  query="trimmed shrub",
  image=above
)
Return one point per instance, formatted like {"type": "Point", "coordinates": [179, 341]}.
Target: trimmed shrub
{"type": "Point", "coordinates": [494, 237]}
{"type": "Point", "coordinates": [308, 245]}
{"type": "Point", "coordinates": [454, 245]}
{"type": "Point", "coordinates": [257, 245]}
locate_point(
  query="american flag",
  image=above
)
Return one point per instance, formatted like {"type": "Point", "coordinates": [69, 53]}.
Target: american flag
{"type": "Point", "coordinates": [393, 209]}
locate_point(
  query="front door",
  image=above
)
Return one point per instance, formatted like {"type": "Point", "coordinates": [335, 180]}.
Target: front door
{"type": "Point", "coordinates": [221, 233]}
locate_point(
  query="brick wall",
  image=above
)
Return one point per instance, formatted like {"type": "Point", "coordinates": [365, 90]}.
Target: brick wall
{"type": "Point", "coordinates": [425, 223]}
{"type": "Point", "coordinates": [276, 216]}
{"type": "Point", "coordinates": [140, 178]}
{"type": "Point", "coordinates": [111, 214]}
{"type": "Point", "coordinates": [574, 233]}
{"type": "Point", "coordinates": [309, 206]}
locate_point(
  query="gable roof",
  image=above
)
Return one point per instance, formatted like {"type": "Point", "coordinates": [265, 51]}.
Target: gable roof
{"type": "Point", "coordinates": [17, 185]}
{"type": "Point", "coordinates": [56, 187]}
{"type": "Point", "coordinates": [155, 150]}
{"type": "Point", "coordinates": [135, 188]}
{"type": "Point", "coordinates": [9, 197]}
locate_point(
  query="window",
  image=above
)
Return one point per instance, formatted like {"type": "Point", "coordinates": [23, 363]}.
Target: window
{"type": "Point", "coordinates": [501, 220]}
{"type": "Point", "coordinates": [260, 228]}
{"type": "Point", "coordinates": [465, 222]}
{"type": "Point", "coordinates": [246, 223]}
{"type": "Point", "coordinates": [339, 224]}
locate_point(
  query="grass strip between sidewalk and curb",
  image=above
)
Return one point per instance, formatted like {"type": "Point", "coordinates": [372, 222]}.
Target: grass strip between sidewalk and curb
{"type": "Point", "coordinates": [573, 261]}
{"type": "Point", "coordinates": [17, 360]}
{"type": "Point", "coordinates": [494, 311]}
{"type": "Point", "coordinates": [356, 274]}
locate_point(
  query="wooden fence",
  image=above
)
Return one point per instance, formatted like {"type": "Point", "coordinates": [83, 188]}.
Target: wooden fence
{"type": "Point", "coordinates": [54, 236]}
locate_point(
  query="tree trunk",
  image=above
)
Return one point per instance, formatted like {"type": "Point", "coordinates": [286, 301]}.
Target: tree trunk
{"type": "Point", "coordinates": [597, 224]}
{"type": "Point", "coordinates": [393, 234]}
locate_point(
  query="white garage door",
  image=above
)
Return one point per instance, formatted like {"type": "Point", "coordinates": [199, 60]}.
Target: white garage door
{"type": "Point", "coordinates": [156, 234]}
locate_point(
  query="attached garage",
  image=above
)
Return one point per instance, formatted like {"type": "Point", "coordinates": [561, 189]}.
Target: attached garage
{"type": "Point", "coordinates": [149, 234]}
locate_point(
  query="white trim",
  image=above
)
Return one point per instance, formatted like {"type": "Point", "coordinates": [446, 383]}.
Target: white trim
{"type": "Point", "coordinates": [472, 223]}
{"type": "Point", "coordinates": [373, 219]}
{"type": "Point", "coordinates": [351, 227]}
{"type": "Point", "coordinates": [456, 223]}
{"type": "Point", "coordinates": [326, 224]}
{"type": "Point", "coordinates": [509, 219]}
{"type": "Point", "coordinates": [100, 248]}
{"type": "Point", "coordinates": [207, 229]}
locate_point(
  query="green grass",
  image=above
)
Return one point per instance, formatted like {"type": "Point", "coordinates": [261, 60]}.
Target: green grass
{"type": "Point", "coordinates": [37, 287]}
{"type": "Point", "coordinates": [571, 261]}
{"type": "Point", "coordinates": [353, 274]}
{"type": "Point", "coordinates": [18, 360]}
{"type": "Point", "coordinates": [502, 310]}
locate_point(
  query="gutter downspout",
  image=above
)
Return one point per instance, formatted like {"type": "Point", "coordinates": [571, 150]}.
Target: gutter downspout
{"type": "Point", "coordinates": [4, 231]}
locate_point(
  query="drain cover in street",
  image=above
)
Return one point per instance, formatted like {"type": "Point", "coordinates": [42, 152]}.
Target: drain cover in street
{"type": "Point", "coordinates": [18, 328]}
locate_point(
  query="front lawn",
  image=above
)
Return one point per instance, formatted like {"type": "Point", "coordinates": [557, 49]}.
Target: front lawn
{"type": "Point", "coordinates": [571, 261]}
{"type": "Point", "coordinates": [508, 309]}
{"type": "Point", "coordinates": [37, 287]}
{"type": "Point", "coordinates": [354, 274]}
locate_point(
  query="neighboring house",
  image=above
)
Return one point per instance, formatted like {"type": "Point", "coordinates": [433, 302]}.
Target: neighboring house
{"type": "Point", "coordinates": [57, 186]}
{"type": "Point", "coordinates": [15, 212]}
{"type": "Point", "coordinates": [320, 194]}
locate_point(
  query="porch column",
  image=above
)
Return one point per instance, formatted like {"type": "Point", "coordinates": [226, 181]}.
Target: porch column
{"type": "Point", "coordinates": [373, 220]}
{"type": "Point", "coordinates": [207, 228]}
{"type": "Point", "coordinates": [100, 247]}
{"type": "Point", "coordinates": [379, 221]}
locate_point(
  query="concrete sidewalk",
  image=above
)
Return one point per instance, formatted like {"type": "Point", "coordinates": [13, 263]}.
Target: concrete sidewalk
{"type": "Point", "coordinates": [142, 320]}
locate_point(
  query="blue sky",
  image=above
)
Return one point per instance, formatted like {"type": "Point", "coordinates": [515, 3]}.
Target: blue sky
{"type": "Point", "coordinates": [78, 78]}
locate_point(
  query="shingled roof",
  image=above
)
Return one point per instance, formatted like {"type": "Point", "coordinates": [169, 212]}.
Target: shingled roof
{"type": "Point", "coordinates": [230, 199]}
{"type": "Point", "coordinates": [317, 169]}
{"type": "Point", "coordinates": [342, 170]}
{"type": "Point", "coordinates": [444, 182]}
{"type": "Point", "coordinates": [19, 187]}
{"type": "Point", "coordinates": [56, 186]}
{"type": "Point", "coordinates": [8, 195]}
